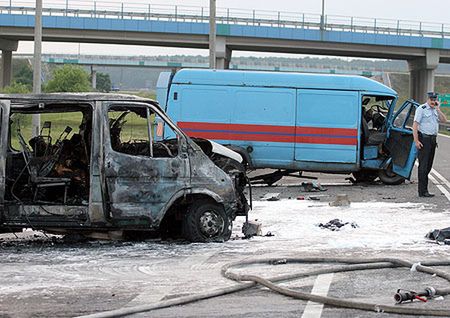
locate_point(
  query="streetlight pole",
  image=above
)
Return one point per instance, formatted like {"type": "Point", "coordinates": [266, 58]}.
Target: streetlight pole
{"type": "Point", "coordinates": [212, 34]}
{"type": "Point", "coordinates": [322, 17]}
{"type": "Point", "coordinates": [37, 61]}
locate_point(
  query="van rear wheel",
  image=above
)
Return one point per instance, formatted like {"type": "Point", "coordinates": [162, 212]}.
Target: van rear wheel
{"type": "Point", "coordinates": [387, 176]}
{"type": "Point", "coordinates": [365, 175]}
{"type": "Point", "coordinates": [206, 221]}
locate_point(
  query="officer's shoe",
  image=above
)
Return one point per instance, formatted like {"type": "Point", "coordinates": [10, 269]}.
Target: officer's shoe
{"type": "Point", "coordinates": [426, 195]}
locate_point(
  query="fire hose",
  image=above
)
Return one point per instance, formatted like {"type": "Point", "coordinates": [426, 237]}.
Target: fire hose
{"type": "Point", "coordinates": [343, 265]}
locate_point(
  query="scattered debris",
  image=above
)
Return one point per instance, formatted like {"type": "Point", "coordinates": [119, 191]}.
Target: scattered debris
{"type": "Point", "coordinates": [252, 228]}
{"type": "Point", "coordinates": [341, 200]}
{"type": "Point", "coordinates": [301, 197]}
{"type": "Point", "coordinates": [313, 186]}
{"type": "Point", "coordinates": [352, 180]}
{"type": "Point", "coordinates": [440, 236]}
{"type": "Point", "coordinates": [389, 198]}
{"type": "Point", "coordinates": [271, 197]}
{"type": "Point", "coordinates": [314, 198]}
{"type": "Point", "coordinates": [336, 225]}
{"type": "Point", "coordinates": [268, 234]}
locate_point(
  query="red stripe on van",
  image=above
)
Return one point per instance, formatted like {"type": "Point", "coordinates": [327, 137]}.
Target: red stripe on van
{"type": "Point", "coordinates": [325, 140]}
{"type": "Point", "coordinates": [252, 132]}
{"type": "Point", "coordinates": [237, 127]}
{"type": "Point", "coordinates": [238, 136]}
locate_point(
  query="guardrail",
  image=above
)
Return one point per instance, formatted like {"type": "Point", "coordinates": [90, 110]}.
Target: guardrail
{"type": "Point", "coordinates": [136, 11]}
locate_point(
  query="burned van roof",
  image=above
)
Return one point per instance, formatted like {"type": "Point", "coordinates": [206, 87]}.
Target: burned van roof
{"type": "Point", "coordinates": [280, 79]}
{"type": "Point", "coordinates": [73, 97]}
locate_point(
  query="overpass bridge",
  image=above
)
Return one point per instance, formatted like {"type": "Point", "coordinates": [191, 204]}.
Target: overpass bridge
{"type": "Point", "coordinates": [423, 45]}
{"type": "Point", "coordinates": [95, 61]}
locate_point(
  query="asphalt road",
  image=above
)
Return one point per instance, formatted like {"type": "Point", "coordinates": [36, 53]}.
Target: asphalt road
{"type": "Point", "coordinates": [44, 277]}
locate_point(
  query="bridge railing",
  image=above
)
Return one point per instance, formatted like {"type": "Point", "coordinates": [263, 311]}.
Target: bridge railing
{"type": "Point", "coordinates": [139, 11]}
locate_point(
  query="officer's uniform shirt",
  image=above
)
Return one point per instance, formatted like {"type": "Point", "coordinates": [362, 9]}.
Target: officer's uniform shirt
{"type": "Point", "coordinates": [428, 119]}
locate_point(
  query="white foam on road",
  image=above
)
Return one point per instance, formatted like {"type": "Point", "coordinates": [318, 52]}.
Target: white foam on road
{"type": "Point", "coordinates": [382, 225]}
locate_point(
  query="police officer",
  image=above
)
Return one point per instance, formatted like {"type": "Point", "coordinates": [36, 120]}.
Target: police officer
{"type": "Point", "coordinates": [425, 130]}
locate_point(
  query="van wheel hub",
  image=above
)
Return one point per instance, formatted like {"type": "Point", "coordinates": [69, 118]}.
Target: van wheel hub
{"type": "Point", "coordinates": [211, 224]}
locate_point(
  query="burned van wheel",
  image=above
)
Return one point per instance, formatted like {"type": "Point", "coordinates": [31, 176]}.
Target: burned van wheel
{"type": "Point", "coordinates": [387, 176]}
{"type": "Point", "coordinates": [206, 221]}
{"type": "Point", "coordinates": [365, 175]}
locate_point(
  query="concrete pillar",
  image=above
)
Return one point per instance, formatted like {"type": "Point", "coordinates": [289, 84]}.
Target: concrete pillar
{"type": "Point", "coordinates": [6, 76]}
{"type": "Point", "coordinates": [223, 54]}
{"type": "Point", "coordinates": [421, 72]}
{"type": "Point", "coordinates": [7, 47]}
{"type": "Point", "coordinates": [93, 78]}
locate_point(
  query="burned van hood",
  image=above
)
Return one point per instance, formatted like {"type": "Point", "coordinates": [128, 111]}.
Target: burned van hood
{"type": "Point", "coordinates": [210, 147]}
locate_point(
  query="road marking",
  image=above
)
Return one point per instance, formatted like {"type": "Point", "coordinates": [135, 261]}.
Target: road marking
{"type": "Point", "coordinates": [441, 177]}
{"type": "Point", "coordinates": [321, 287]}
{"type": "Point", "coordinates": [439, 186]}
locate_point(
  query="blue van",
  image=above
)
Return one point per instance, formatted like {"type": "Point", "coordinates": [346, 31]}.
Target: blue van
{"type": "Point", "coordinates": [296, 122]}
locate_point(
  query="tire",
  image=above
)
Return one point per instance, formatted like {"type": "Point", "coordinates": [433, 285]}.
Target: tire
{"type": "Point", "coordinates": [206, 221]}
{"type": "Point", "coordinates": [365, 175]}
{"type": "Point", "coordinates": [387, 176]}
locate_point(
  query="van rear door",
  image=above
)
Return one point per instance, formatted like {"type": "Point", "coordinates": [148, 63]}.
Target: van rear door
{"type": "Point", "coordinates": [327, 126]}
{"type": "Point", "coordinates": [400, 140]}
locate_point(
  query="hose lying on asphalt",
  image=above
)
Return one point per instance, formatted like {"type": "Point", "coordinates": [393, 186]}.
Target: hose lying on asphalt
{"type": "Point", "coordinates": [248, 281]}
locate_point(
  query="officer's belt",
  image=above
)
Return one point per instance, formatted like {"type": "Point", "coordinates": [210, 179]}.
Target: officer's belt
{"type": "Point", "coordinates": [427, 136]}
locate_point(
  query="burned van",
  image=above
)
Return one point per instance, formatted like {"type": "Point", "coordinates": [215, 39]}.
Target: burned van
{"type": "Point", "coordinates": [89, 163]}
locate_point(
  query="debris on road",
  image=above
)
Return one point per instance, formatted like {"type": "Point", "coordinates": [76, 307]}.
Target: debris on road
{"type": "Point", "coordinates": [252, 228]}
{"type": "Point", "coordinates": [336, 225]}
{"type": "Point", "coordinates": [440, 236]}
{"type": "Point", "coordinates": [313, 186]}
{"type": "Point", "coordinates": [341, 200]}
{"type": "Point", "coordinates": [271, 197]}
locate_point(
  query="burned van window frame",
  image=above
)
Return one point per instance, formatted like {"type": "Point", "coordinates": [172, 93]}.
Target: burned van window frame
{"type": "Point", "coordinates": [65, 169]}
{"type": "Point", "coordinates": [48, 108]}
{"type": "Point", "coordinates": [148, 110]}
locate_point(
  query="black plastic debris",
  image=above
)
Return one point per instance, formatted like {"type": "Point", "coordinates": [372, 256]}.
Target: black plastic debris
{"type": "Point", "coordinates": [440, 236]}
{"type": "Point", "coordinates": [311, 187]}
{"type": "Point", "coordinates": [336, 225]}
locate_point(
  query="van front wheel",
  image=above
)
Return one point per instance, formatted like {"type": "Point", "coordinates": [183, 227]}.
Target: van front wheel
{"type": "Point", "coordinates": [387, 176]}
{"type": "Point", "coordinates": [206, 221]}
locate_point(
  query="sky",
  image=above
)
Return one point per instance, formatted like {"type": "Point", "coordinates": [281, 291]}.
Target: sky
{"type": "Point", "coordinates": [433, 11]}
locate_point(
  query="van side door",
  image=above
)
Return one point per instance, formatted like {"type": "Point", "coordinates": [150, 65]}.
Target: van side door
{"type": "Point", "coordinates": [142, 175]}
{"type": "Point", "coordinates": [400, 140]}
{"type": "Point", "coordinates": [327, 128]}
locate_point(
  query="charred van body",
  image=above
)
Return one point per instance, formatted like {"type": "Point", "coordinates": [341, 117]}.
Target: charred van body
{"type": "Point", "coordinates": [99, 166]}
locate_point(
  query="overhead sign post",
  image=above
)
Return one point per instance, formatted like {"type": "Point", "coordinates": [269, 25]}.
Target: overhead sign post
{"type": "Point", "coordinates": [444, 100]}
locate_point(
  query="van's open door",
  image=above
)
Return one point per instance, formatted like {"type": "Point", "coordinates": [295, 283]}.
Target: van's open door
{"type": "Point", "coordinates": [400, 140]}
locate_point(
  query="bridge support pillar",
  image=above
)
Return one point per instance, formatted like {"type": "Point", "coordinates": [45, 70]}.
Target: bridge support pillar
{"type": "Point", "coordinates": [223, 53]}
{"type": "Point", "coordinates": [421, 72]}
{"type": "Point", "coordinates": [6, 77]}
{"type": "Point", "coordinates": [7, 47]}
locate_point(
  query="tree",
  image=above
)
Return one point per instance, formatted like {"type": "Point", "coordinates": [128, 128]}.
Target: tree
{"type": "Point", "coordinates": [16, 88]}
{"type": "Point", "coordinates": [69, 78]}
{"type": "Point", "coordinates": [22, 72]}
{"type": "Point", "coordinates": [103, 83]}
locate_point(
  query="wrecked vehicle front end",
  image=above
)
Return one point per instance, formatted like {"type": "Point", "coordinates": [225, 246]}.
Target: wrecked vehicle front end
{"type": "Point", "coordinates": [97, 168]}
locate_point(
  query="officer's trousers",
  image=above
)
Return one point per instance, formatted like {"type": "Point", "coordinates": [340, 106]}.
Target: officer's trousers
{"type": "Point", "coordinates": [426, 157]}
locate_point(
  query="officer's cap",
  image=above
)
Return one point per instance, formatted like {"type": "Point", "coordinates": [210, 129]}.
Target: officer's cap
{"type": "Point", "coordinates": [432, 95]}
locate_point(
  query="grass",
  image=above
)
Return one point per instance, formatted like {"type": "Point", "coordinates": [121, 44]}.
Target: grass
{"type": "Point", "coordinates": [135, 127]}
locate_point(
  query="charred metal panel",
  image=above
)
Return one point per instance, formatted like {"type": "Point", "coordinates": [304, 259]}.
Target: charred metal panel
{"type": "Point", "coordinates": [139, 187]}
{"type": "Point", "coordinates": [4, 125]}
{"type": "Point", "coordinates": [97, 183]}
